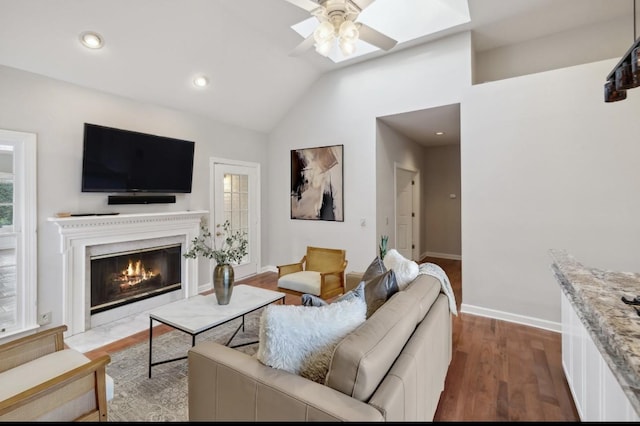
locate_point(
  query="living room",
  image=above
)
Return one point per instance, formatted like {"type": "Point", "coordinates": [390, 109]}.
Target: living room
{"type": "Point", "coordinates": [544, 162]}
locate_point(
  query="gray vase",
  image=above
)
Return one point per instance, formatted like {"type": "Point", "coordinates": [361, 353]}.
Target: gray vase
{"type": "Point", "coordinates": [223, 283]}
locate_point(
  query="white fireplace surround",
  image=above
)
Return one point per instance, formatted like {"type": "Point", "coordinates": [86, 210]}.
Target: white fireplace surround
{"type": "Point", "coordinates": [78, 234]}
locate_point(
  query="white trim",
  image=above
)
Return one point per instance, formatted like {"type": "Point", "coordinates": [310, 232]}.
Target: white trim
{"type": "Point", "coordinates": [510, 317]}
{"type": "Point", "coordinates": [79, 233]}
{"type": "Point", "coordinates": [441, 255]}
{"type": "Point", "coordinates": [25, 226]}
{"type": "Point", "coordinates": [257, 208]}
{"type": "Point", "coordinates": [269, 268]}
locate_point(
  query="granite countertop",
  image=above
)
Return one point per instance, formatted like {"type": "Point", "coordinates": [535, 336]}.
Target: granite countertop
{"type": "Point", "coordinates": [613, 325]}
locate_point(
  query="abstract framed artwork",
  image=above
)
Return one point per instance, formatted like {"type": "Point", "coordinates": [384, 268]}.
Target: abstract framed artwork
{"type": "Point", "coordinates": [317, 183]}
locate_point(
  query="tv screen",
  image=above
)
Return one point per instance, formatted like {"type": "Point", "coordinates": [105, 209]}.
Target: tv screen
{"type": "Point", "coordinates": [116, 160]}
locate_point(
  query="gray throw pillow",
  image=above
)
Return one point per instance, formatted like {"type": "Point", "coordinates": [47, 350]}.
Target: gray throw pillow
{"type": "Point", "coordinates": [374, 269]}
{"type": "Point", "coordinates": [358, 291]}
{"type": "Point", "coordinates": [313, 300]}
{"type": "Point", "coordinates": [378, 290]}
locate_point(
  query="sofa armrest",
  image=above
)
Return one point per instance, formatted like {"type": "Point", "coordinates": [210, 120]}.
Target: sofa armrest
{"type": "Point", "coordinates": [290, 268]}
{"type": "Point", "coordinates": [226, 384]}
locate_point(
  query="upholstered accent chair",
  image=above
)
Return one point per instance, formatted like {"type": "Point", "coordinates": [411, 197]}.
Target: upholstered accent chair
{"type": "Point", "coordinates": [41, 380]}
{"type": "Point", "coordinates": [319, 272]}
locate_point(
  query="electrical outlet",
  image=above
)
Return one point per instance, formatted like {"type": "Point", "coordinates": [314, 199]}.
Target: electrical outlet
{"type": "Point", "coordinates": [44, 319]}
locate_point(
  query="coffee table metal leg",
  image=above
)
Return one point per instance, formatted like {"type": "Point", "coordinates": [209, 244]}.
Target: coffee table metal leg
{"type": "Point", "coordinates": [150, 343]}
{"type": "Point", "coordinates": [241, 326]}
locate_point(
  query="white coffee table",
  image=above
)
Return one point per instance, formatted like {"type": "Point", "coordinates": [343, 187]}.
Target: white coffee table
{"type": "Point", "coordinates": [200, 313]}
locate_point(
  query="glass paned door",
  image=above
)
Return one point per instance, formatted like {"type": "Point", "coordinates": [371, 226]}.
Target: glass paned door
{"type": "Point", "coordinates": [236, 202]}
{"type": "Point", "coordinates": [236, 199]}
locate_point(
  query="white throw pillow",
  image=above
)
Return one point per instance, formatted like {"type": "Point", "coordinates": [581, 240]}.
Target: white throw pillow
{"type": "Point", "coordinates": [406, 270]}
{"type": "Point", "coordinates": [301, 339]}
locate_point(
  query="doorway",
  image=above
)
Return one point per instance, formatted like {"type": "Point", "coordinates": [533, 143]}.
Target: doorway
{"type": "Point", "coordinates": [236, 198]}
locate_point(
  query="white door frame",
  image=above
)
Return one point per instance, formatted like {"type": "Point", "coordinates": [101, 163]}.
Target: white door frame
{"type": "Point", "coordinates": [255, 245]}
{"type": "Point", "coordinates": [415, 222]}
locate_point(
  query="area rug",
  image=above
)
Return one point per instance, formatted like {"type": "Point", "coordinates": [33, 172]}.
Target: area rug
{"type": "Point", "coordinates": [163, 397]}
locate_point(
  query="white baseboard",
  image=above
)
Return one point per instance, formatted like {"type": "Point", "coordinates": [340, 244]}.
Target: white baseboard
{"type": "Point", "coordinates": [269, 268]}
{"type": "Point", "coordinates": [441, 255]}
{"type": "Point", "coordinates": [510, 317]}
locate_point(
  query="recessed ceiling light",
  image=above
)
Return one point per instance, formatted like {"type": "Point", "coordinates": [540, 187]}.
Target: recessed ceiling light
{"type": "Point", "coordinates": [201, 81]}
{"type": "Point", "coordinates": [439, 133]}
{"type": "Point", "coordinates": [91, 40]}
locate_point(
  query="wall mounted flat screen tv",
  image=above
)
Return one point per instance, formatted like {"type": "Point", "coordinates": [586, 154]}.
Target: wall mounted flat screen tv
{"type": "Point", "coordinates": [116, 160]}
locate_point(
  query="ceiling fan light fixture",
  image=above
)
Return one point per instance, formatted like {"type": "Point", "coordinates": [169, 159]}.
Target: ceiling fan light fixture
{"type": "Point", "coordinates": [324, 48]}
{"type": "Point", "coordinates": [324, 33]}
{"type": "Point", "coordinates": [348, 31]}
{"type": "Point", "coordinates": [347, 46]}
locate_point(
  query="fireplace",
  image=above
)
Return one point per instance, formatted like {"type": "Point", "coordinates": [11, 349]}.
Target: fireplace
{"type": "Point", "coordinates": [87, 239]}
{"type": "Point", "coordinates": [127, 277]}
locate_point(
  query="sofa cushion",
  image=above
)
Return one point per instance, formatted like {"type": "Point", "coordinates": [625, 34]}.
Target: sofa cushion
{"type": "Point", "coordinates": [39, 370]}
{"type": "Point", "coordinates": [302, 281]}
{"type": "Point", "coordinates": [362, 359]}
{"type": "Point", "coordinates": [300, 339]}
{"type": "Point", "coordinates": [406, 270]}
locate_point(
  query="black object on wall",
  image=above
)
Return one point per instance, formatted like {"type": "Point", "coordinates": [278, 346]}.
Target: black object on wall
{"type": "Point", "coordinates": [124, 161]}
{"type": "Point", "coordinates": [141, 199]}
{"type": "Point", "coordinates": [626, 74]}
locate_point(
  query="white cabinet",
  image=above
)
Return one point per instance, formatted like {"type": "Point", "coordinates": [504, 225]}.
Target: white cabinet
{"type": "Point", "coordinates": [596, 392]}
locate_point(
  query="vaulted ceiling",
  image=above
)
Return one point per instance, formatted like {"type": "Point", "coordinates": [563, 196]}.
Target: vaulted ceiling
{"type": "Point", "coordinates": [154, 48]}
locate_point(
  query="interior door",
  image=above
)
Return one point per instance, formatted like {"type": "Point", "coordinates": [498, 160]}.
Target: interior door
{"type": "Point", "coordinates": [404, 212]}
{"type": "Point", "coordinates": [236, 199]}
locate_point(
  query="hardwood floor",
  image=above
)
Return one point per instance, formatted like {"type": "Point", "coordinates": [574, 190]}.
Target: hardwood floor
{"type": "Point", "coordinates": [499, 371]}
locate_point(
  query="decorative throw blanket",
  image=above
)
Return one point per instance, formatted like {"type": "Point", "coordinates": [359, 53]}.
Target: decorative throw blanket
{"type": "Point", "coordinates": [436, 271]}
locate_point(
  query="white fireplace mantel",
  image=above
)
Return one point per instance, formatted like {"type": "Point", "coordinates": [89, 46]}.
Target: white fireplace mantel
{"type": "Point", "coordinates": [77, 233]}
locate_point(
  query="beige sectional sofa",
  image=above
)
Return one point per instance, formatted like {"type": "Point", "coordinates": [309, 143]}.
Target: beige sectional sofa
{"type": "Point", "coordinates": [391, 368]}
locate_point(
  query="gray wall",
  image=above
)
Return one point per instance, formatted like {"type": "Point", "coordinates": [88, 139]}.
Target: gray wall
{"type": "Point", "coordinates": [441, 214]}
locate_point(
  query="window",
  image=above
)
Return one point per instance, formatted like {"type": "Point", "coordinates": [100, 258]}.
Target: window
{"type": "Point", "coordinates": [18, 284]}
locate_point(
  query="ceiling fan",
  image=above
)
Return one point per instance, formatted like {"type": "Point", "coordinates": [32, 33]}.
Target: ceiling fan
{"type": "Point", "coordinates": [338, 21]}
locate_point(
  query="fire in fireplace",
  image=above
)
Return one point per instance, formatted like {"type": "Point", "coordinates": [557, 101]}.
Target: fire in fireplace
{"type": "Point", "coordinates": [126, 277]}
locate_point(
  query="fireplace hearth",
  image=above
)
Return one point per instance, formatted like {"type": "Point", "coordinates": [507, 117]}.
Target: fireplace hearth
{"type": "Point", "coordinates": [121, 278]}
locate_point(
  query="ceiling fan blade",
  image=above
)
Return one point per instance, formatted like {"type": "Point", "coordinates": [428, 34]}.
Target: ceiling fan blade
{"type": "Point", "coordinates": [375, 38]}
{"type": "Point", "coordinates": [362, 4]}
{"type": "Point", "coordinates": [307, 5]}
{"type": "Point", "coordinates": [306, 44]}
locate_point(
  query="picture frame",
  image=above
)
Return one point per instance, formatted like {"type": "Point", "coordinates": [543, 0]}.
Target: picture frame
{"type": "Point", "coordinates": [317, 184]}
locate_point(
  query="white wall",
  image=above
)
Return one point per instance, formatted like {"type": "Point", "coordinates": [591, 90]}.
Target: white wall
{"type": "Point", "coordinates": [341, 108]}
{"type": "Point", "coordinates": [546, 163]}
{"type": "Point", "coordinates": [393, 149]}
{"type": "Point", "coordinates": [592, 43]}
{"type": "Point", "coordinates": [56, 111]}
